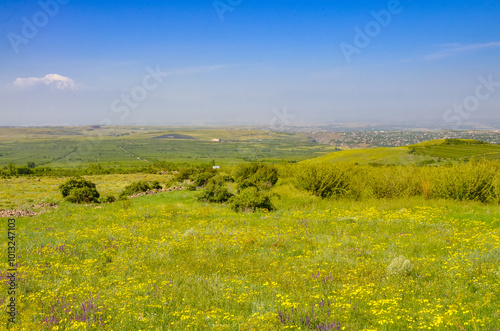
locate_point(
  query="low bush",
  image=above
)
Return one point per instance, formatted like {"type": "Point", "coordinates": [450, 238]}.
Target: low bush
{"type": "Point", "coordinates": [202, 178]}
{"type": "Point", "coordinates": [215, 191]}
{"type": "Point", "coordinates": [322, 179]}
{"type": "Point", "coordinates": [475, 180]}
{"type": "Point", "coordinates": [389, 182]}
{"type": "Point", "coordinates": [259, 175]}
{"type": "Point", "coordinates": [191, 187]}
{"type": "Point", "coordinates": [471, 181]}
{"type": "Point", "coordinates": [251, 199]}
{"type": "Point", "coordinates": [170, 183]}
{"type": "Point", "coordinates": [138, 187]}
{"type": "Point", "coordinates": [108, 199]}
{"type": "Point", "coordinates": [79, 190]}
{"type": "Point", "coordinates": [83, 195]}
{"type": "Point", "coordinates": [24, 171]}
{"type": "Point", "coordinates": [183, 174]}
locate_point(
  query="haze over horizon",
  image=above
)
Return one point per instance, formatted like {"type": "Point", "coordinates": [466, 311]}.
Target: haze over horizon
{"type": "Point", "coordinates": [74, 62]}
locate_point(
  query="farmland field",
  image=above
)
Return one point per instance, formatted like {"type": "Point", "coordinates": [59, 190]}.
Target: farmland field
{"type": "Point", "coordinates": [132, 147]}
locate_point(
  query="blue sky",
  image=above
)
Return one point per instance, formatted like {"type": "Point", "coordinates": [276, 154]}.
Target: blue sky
{"type": "Point", "coordinates": [240, 62]}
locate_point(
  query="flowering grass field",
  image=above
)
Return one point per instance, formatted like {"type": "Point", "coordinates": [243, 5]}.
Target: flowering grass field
{"type": "Point", "coordinates": [22, 192]}
{"type": "Point", "coordinates": [169, 262]}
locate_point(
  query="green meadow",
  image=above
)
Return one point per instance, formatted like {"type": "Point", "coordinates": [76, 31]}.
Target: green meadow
{"type": "Point", "coordinates": [434, 151]}
{"type": "Point", "coordinates": [351, 242]}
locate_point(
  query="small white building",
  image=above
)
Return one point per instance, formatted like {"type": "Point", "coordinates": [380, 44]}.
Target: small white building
{"type": "Point", "coordinates": [216, 167]}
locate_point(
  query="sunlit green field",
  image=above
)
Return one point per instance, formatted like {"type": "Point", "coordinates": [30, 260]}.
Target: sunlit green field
{"type": "Point", "coordinates": [432, 151]}
{"type": "Point", "coordinates": [381, 155]}
{"type": "Point", "coordinates": [22, 192]}
{"type": "Point", "coordinates": [169, 262]}
{"type": "Point", "coordinates": [135, 147]}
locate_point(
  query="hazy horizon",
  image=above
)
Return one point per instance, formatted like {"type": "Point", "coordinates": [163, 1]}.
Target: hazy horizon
{"type": "Point", "coordinates": [249, 62]}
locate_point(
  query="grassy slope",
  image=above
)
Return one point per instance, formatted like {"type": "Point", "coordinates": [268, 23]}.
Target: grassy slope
{"type": "Point", "coordinates": [383, 155]}
{"type": "Point", "coordinates": [457, 149]}
{"type": "Point", "coordinates": [169, 262]}
{"type": "Point", "coordinates": [426, 151]}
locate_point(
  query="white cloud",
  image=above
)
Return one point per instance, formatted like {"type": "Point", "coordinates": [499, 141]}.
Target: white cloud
{"type": "Point", "coordinates": [53, 80]}
{"type": "Point", "coordinates": [452, 49]}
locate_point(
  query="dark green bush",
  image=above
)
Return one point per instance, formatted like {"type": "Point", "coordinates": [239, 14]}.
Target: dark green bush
{"type": "Point", "coordinates": [251, 199]}
{"type": "Point", "coordinates": [155, 185]}
{"type": "Point", "coordinates": [215, 191]}
{"type": "Point", "coordinates": [191, 187]}
{"type": "Point", "coordinates": [138, 187]}
{"type": "Point", "coordinates": [24, 171]}
{"type": "Point", "coordinates": [73, 184]}
{"type": "Point", "coordinates": [83, 195]}
{"type": "Point", "coordinates": [42, 171]}
{"type": "Point", "coordinates": [108, 199]}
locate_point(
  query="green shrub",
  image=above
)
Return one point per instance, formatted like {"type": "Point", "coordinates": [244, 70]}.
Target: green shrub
{"type": "Point", "coordinates": [155, 185]}
{"type": "Point", "coordinates": [191, 187]}
{"type": "Point", "coordinates": [215, 191]}
{"type": "Point", "coordinates": [183, 174]}
{"type": "Point", "coordinates": [83, 195]}
{"type": "Point", "coordinates": [108, 199]}
{"type": "Point", "coordinates": [322, 179]}
{"type": "Point", "coordinates": [75, 183]}
{"type": "Point", "coordinates": [202, 178]}
{"type": "Point", "coordinates": [11, 169]}
{"type": "Point", "coordinates": [24, 171]}
{"type": "Point", "coordinates": [138, 187]}
{"type": "Point", "coordinates": [472, 181]}
{"type": "Point", "coordinates": [391, 182]}
{"type": "Point", "coordinates": [259, 175]}
{"type": "Point", "coordinates": [359, 184]}
{"type": "Point", "coordinates": [251, 199]}
{"type": "Point", "coordinates": [170, 183]}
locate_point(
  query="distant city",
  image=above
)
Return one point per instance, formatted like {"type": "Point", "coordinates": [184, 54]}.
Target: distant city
{"type": "Point", "coordinates": [364, 139]}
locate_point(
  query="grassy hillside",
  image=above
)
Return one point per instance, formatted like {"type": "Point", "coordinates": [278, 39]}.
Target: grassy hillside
{"type": "Point", "coordinates": [426, 152]}
{"type": "Point", "coordinates": [169, 262]}
{"type": "Point", "coordinates": [457, 149]}
{"type": "Point", "coordinates": [383, 252]}
{"type": "Point", "coordinates": [383, 155]}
